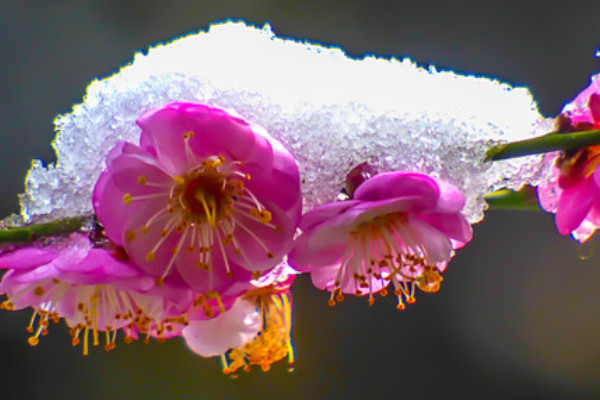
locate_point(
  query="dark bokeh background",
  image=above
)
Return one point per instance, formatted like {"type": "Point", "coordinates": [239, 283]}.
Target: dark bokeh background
{"type": "Point", "coordinates": [517, 316]}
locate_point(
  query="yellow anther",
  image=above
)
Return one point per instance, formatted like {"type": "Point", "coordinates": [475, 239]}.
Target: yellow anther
{"type": "Point", "coordinates": [201, 265]}
{"type": "Point", "coordinates": [150, 256]}
{"type": "Point", "coordinates": [371, 300]}
{"type": "Point", "coordinates": [273, 343]}
{"type": "Point", "coordinates": [130, 235]}
{"type": "Point", "coordinates": [430, 282]}
{"type": "Point", "coordinates": [39, 291]}
{"type": "Point", "coordinates": [144, 229]}
{"type": "Point", "coordinates": [142, 180]}
{"type": "Point", "coordinates": [178, 180]}
{"type": "Point", "coordinates": [255, 274]}
{"type": "Point", "coordinates": [212, 294]}
{"type": "Point", "coordinates": [188, 135]}
{"type": "Point", "coordinates": [33, 341]}
{"type": "Point", "coordinates": [127, 198]}
{"type": "Point", "coordinates": [264, 217]}
{"type": "Point", "coordinates": [160, 281]}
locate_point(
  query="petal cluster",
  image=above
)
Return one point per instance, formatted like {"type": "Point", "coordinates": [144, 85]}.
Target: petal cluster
{"type": "Point", "coordinates": [573, 191]}
{"type": "Point", "coordinates": [399, 228]}
{"type": "Point", "coordinates": [93, 289]}
{"type": "Point", "coordinates": [191, 228]}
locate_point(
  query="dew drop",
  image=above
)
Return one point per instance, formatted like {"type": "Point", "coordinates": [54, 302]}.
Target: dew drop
{"type": "Point", "coordinates": [585, 250]}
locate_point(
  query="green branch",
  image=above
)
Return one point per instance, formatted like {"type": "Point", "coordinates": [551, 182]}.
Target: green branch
{"type": "Point", "coordinates": [29, 233]}
{"type": "Point", "coordinates": [543, 144]}
{"type": "Point", "coordinates": [524, 199]}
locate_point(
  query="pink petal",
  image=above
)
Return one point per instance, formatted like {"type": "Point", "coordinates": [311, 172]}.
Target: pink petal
{"type": "Point", "coordinates": [26, 258]}
{"type": "Point", "coordinates": [325, 276]}
{"type": "Point", "coordinates": [110, 208]}
{"type": "Point", "coordinates": [451, 200]}
{"type": "Point", "coordinates": [436, 244]}
{"type": "Point", "coordinates": [215, 132]}
{"type": "Point", "coordinates": [399, 184]}
{"type": "Point", "coordinates": [127, 169]}
{"type": "Point", "coordinates": [256, 240]}
{"type": "Point", "coordinates": [318, 248]}
{"type": "Point", "coordinates": [229, 330]}
{"type": "Point", "coordinates": [573, 206]}
{"type": "Point", "coordinates": [594, 106]}
{"type": "Point", "coordinates": [235, 139]}
{"type": "Point", "coordinates": [144, 243]}
{"type": "Point", "coordinates": [369, 210]}
{"type": "Point", "coordinates": [97, 267]}
{"type": "Point", "coordinates": [282, 189]}
{"type": "Point", "coordinates": [455, 226]}
{"type": "Point", "coordinates": [322, 214]}
{"type": "Point", "coordinates": [162, 130]}
{"type": "Point", "coordinates": [215, 278]}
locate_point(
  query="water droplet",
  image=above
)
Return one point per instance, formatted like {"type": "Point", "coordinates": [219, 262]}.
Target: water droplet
{"type": "Point", "coordinates": [585, 250]}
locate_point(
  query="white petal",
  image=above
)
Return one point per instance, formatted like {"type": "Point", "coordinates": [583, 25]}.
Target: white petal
{"type": "Point", "coordinates": [232, 329]}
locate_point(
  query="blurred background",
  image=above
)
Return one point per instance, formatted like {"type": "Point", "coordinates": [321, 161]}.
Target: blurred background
{"type": "Point", "coordinates": [518, 315]}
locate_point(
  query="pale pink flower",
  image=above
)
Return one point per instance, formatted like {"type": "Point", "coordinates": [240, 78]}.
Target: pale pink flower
{"type": "Point", "coordinates": [573, 191]}
{"type": "Point", "coordinates": [92, 289]}
{"type": "Point", "coordinates": [399, 227]}
{"type": "Point", "coordinates": [206, 194]}
{"type": "Point", "coordinates": [256, 330]}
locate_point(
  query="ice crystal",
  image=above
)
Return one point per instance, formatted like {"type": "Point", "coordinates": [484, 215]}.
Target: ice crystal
{"type": "Point", "coordinates": [333, 112]}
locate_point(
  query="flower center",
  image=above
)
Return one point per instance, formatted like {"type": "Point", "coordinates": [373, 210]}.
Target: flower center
{"type": "Point", "coordinates": [577, 165]}
{"type": "Point", "coordinates": [205, 208]}
{"type": "Point", "coordinates": [205, 195]}
{"type": "Point", "coordinates": [386, 249]}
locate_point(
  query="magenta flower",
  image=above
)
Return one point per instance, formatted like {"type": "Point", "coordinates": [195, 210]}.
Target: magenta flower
{"type": "Point", "coordinates": [573, 192]}
{"type": "Point", "coordinates": [206, 194]}
{"type": "Point", "coordinates": [399, 227]}
{"type": "Point", "coordinates": [92, 289]}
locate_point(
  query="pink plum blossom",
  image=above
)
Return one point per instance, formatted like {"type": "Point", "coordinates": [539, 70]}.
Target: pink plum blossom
{"type": "Point", "coordinates": [573, 191]}
{"type": "Point", "coordinates": [205, 195]}
{"type": "Point", "coordinates": [399, 227]}
{"type": "Point", "coordinates": [93, 289]}
{"type": "Point", "coordinates": [255, 330]}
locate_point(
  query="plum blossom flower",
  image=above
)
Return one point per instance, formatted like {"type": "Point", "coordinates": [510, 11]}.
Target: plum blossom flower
{"type": "Point", "coordinates": [573, 191]}
{"type": "Point", "coordinates": [93, 289]}
{"type": "Point", "coordinates": [205, 193]}
{"type": "Point", "coordinates": [255, 330]}
{"type": "Point", "coordinates": [399, 227]}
